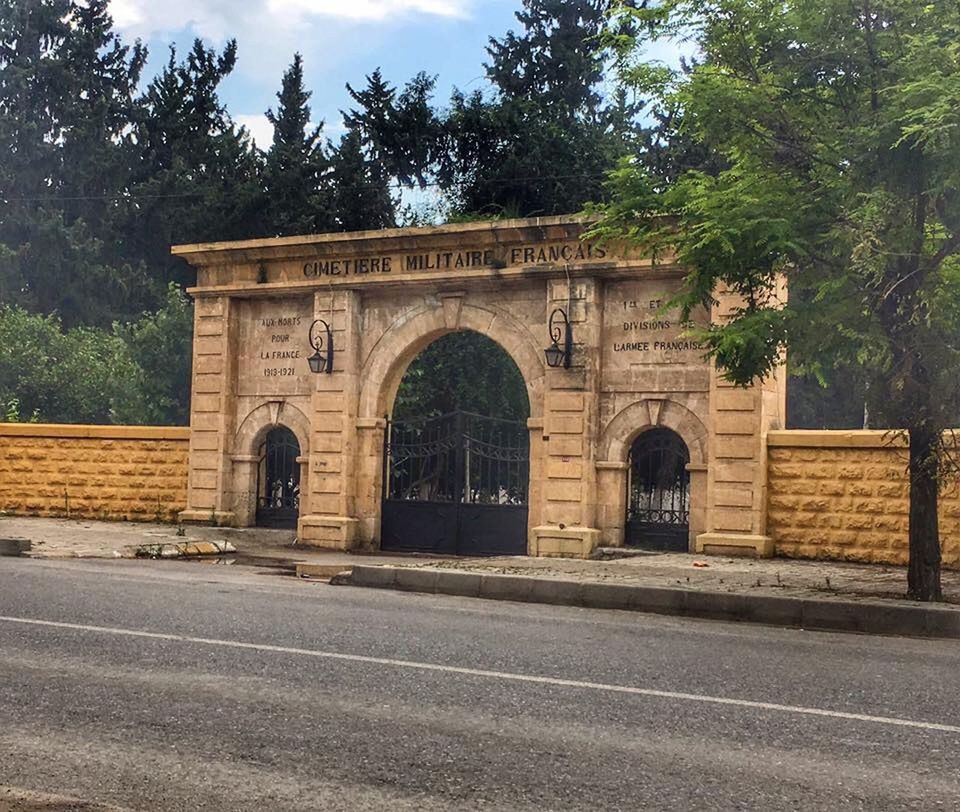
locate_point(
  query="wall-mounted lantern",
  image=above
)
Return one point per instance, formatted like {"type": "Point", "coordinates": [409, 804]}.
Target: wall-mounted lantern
{"type": "Point", "coordinates": [321, 336]}
{"type": "Point", "coordinates": [560, 330]}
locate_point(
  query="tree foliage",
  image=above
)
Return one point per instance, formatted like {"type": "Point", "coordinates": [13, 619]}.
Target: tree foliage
{"type": "Point", "coordinates": [100, 177]}
{"type": "Point", "coordinates": [539, 143]}
{"type": "Point", "coordinates": [134, 373]}
{"type": "Point", "coordinates": [834, 127]}
{"type": "Point", "coordinates": [160, 343]}
{"type": "Point", "coordinates": [463, 370]}
{"type": "Point", "coordinates": [66, 97]}
{"type": "Point", "coordinates": [82, 374]}
{"type": "Point", "coordinates": [295, 163]}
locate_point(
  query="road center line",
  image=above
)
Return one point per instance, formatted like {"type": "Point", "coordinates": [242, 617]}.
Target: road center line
{"type": "Point", "coordinates": [498, 675]}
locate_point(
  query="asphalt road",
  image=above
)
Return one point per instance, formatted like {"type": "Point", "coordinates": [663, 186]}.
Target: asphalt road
{"type": "Point", "coordinates": [185, 686]}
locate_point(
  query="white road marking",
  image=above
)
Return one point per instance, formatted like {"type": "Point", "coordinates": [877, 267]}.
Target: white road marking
{"type": "Point", "coordinates": [499, 675]}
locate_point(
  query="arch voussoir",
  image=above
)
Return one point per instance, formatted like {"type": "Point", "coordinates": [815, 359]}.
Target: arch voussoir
{"type": "Point", "coordinates": [399, 345]}
{"type": "Point", "coordinates": [615, 441]}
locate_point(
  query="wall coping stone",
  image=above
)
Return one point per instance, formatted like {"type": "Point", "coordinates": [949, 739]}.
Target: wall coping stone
{"type": "Point", "coordinates": [76, 431]}
{"type": "Point", "coordinates": [862, 438]}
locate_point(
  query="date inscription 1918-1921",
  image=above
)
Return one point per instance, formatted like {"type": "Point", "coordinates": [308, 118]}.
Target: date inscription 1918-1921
{"type": "Point", "coordinates": [278, 346]}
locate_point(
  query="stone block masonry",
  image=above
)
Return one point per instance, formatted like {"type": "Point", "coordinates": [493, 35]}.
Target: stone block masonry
{"type": "Point", "coordinates": [844, 496]}
{"type": "Point", "coordinates": [132, 473]}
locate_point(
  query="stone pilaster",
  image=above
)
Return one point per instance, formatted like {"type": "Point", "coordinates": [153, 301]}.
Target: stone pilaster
{"type": "Point", "coordinates": [208, 497]}
{"type": "Point", "coordinates": [740, 418]}
{"type": "Point", "coordinates": [327, 517]}
{"type": "Point", "coordinates": [567, 479]}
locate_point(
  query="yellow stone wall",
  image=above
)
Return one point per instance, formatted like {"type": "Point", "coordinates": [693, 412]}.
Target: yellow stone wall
{"type": "Point", "coordinates": [843, 495]}
{"type": "Point", "coordinates": [137, 473]}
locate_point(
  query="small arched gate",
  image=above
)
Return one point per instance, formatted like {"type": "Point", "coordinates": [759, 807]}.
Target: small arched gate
{"type": "Point", "coordinates": [278, 480]}
{"type": "Point", "coordinates": [658, 492]}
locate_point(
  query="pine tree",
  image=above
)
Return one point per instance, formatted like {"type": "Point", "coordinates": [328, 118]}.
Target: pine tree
{"type": "Point", "coordinates": [66, 86]}
{"type": "Point", "coordinates": [556, 62]}
{"type": "Point", "coordinates": [547, 137]}
{"type": "Point", "coordinates": [374, 121]}
{"type": "Point", "coordinates": [366, 159]}
{"type": "Point", "coordinates": [197, 176]}
{"type": "Point", "coordinates": [102, 76]}
{"type": "Point", "coordinates": [295, 163]}
{"type": "Point", "coordinates": [361, 193]}
{"type": "Point", "coordinates": [540, 145]}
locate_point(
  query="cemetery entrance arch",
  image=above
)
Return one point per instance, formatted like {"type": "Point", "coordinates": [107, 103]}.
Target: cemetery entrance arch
{"type": "Point", "coordinates": [589, 325]}
{"type": "Point", "coordinates": [455, 481]}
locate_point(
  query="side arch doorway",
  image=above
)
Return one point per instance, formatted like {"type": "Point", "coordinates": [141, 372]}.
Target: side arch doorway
{"type": "Point", "coordinates": [658, 492]}
{"type": "Point", "coordinates": [278, 479]}
{"type": "Point", "coordinates": [456, 462]}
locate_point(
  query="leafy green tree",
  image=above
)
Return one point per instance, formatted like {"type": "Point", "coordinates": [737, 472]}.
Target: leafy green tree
{"type": "Point", "coordinates": [161, 345]}
{"type": "Point", "coordinates": [66, 93]}
{"type": "Point", "coordinates": [80, 375]}
{"type": "Point", "coordinates": [837, 129]}
{"type": "Point", "coordinates": [295, 198]}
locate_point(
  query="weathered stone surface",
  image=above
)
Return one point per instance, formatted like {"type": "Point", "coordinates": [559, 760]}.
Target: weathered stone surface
{"type": "Point", "coordinates": [859, 510]}
{"type": "Point", "coordinates": [93, 472]}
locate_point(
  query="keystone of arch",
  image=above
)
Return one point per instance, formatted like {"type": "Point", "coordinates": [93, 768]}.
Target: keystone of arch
{"type": "Point", "coordinates": [643, 415]}
{"type": "Point", "coordinates": [267, 416]}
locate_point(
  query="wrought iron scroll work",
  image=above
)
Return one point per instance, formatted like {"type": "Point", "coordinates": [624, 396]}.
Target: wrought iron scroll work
{"type": "Point", "coordinates": [560, 329]}
{"type": "Point", "coordinates": [321, 336]}
{"type": "Point", "coordinates": [459, 458]}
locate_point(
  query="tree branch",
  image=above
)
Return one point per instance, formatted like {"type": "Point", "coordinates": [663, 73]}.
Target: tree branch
{"type": "Point", "coordinates": [950, 246]}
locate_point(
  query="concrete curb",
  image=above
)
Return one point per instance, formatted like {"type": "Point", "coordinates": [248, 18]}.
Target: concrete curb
{"type": "Point", "coordinates": [307, 570]}
{"type": "Point", "coordinates": [824, 614]}
{"type": "Point", "coordinates": [14, 546]}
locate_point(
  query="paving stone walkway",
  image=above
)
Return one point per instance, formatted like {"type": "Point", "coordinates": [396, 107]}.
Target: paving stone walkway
{"type": "Point", "coordinates": [60, 538]}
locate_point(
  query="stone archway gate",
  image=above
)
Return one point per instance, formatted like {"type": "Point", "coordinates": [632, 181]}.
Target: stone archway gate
{"type": "Point", "coordinates": [386, 295]}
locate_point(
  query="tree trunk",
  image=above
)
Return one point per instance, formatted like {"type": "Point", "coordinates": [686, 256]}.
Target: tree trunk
{"type": "Point", "coordinates": [923, 575]}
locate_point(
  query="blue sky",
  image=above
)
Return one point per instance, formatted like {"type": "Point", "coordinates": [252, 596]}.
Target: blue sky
{"type": "Point", "coordinates": [341, 41]}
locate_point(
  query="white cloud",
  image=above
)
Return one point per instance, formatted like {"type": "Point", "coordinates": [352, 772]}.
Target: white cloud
{"type": "Point", "coordinates": [370, 10]}
{"type": "Point", "coordinates": [258, 126]}
{"type": "Point", "coordinates": [328, 33]}
{"type": "Point", "coordinates": [218, 19]}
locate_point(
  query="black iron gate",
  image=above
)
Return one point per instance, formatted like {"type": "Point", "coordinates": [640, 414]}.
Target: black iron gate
{"type": "Point", "coordinates": [455, 484]}
{"type": "Point", "coordinates": [278, 480]}
{"type": "Point", "coordinates": [658, 513]}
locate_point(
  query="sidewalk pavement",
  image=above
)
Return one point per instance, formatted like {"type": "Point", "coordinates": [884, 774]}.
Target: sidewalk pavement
{"type": "Point", "coordinates": [755, 576]}
{"type": "Point", "coordinates": [257, 546]}
{"type": "Point", "coordinates": [809, 594]}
